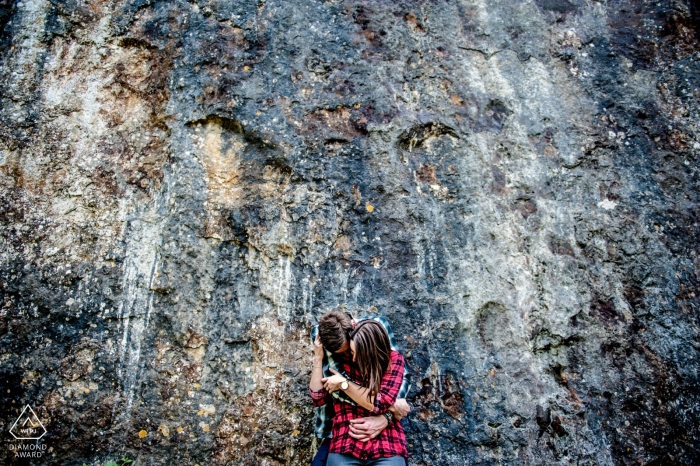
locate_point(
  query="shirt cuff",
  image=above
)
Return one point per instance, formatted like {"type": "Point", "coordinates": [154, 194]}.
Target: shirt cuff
{"type": "Point", "coordinates": [379, 406]}
{"type": "Point", "coordinates": [318, 398]}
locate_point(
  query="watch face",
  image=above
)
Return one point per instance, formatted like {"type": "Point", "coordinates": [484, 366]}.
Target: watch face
{"type": "Point", "coordinates": [344, 385]}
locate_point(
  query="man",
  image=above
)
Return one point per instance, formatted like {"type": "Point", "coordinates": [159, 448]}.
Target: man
{"type": "Point", "coordinates": [331, 340]}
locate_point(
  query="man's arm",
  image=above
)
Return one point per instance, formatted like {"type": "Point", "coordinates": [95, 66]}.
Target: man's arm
{"type": "Point", "coordinates": [315, 383]}
{"type": "Point", "coordinates": [318, 393]}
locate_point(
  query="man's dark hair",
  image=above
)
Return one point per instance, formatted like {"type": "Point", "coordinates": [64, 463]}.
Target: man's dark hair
{"type": "Point", "coordinates": [334, 330]}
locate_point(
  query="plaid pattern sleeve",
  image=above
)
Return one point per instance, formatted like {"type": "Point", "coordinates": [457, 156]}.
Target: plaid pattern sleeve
{"type": "Point", "coordinates": [320, 397]}
{"type": "Point", "coordinates": [391, 384]}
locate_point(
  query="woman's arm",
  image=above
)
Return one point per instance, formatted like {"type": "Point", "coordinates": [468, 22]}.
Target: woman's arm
{"type": "Point", "coordinates": [388, 391]}
{"type": "Point", "coordinates": [359, 395]}
{"type": "Point", "coordinates": [354, 391]}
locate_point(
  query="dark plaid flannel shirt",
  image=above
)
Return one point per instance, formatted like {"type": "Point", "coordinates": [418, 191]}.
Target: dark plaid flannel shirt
{"type": "Point", "coordinates": [325, 413]}
{"type": "Point", "coordinates": [392, 440]}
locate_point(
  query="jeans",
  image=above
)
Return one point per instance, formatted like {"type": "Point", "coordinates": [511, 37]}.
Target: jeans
{"type": "Point", "coordinates": [322, 453]}
{"type": "Point", "coordinates": [335, 459]}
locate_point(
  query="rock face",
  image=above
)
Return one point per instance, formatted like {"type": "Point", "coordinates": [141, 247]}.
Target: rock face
{"type": "Point", "coordinates": [187, 186]}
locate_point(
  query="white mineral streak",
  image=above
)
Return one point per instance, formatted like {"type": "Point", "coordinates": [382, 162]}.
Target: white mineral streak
{"type": "Point", "coordinates": [607, 204]}
{"type": "Point", "coordinates": [307, 290]}
{"type": "Point", "coordinates": [135, 308]}
{"type": "Point", "coordinates": [278, 286]}
{"type": "Point", "coordinates": [343, 275]}
{"type": "Point", "coordinates": [32, 17]}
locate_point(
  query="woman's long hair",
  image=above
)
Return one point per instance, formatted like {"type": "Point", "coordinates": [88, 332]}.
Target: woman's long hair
{"type": "Point", "coordinates": [372, 353]}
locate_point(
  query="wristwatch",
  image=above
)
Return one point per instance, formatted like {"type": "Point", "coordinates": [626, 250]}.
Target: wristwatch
{"type": "Point", "coordinates": [344, 385]}
{"type": "Point", "coordinates": [389, 416]}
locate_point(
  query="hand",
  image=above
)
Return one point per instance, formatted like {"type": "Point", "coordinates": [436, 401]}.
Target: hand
{"type": "Point", "coordinates": [367, 428]}
{"type": "Point", "coordinates": [333, 382]}
{"type": "Point", "coordinates": [400, 409]}
{"type": "Point", "coordinates": [318, 349]}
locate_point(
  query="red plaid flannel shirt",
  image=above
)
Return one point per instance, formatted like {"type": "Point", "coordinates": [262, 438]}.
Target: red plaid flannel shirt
{"type": "Point", "coordinates": [392, 440]}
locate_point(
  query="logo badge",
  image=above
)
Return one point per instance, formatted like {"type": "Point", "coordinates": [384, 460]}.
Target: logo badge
{"type": "Point", "coordinates": [28, 426]}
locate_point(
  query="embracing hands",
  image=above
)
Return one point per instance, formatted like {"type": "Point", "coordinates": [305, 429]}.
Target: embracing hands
{"type": "Point", "coordinates": [333, 382]}
{"type": "Point", "coordinates": [366, 428]}
{"type": "Point", "coordinates": [400, 409]}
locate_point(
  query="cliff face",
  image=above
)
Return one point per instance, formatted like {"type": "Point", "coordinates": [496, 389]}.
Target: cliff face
{"type": "Point", "coordinates": [187, 186]}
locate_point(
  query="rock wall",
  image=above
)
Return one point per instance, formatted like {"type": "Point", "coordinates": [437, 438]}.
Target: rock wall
{"type": "Point", "coordinates": [187, 186]}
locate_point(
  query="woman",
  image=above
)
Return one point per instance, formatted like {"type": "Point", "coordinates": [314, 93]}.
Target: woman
{"type": "Point", "coordinates": [371, 379]}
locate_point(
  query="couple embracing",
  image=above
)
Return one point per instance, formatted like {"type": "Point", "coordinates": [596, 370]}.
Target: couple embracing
{"type": "Point", "coordinates": [358, 384]}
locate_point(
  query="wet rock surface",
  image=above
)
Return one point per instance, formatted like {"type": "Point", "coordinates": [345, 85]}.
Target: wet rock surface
{"type": "Point", "coordinates": [187, 186]}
